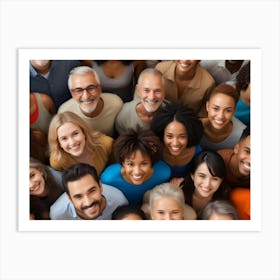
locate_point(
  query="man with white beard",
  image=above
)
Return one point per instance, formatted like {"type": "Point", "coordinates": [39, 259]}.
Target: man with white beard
{"type": "Point", "coordinates": [50, 77]}
{"type": "Point", "coordinates": [97, 109]}
{"type": "Point", "coordinates": [150, 97]}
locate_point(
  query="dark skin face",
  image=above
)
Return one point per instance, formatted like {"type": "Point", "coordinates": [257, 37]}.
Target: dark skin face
{"type": "Point", "coordinates": [233, 65]}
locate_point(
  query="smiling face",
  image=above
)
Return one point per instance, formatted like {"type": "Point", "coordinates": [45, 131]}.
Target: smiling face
{"type": "Point", "coordinates": [243, 153]}
{"type": "Point", "coordinates": [186, 66]}
{"type": "Point", "coordinates": [36, 182]}
{"type": "Point", "coordinates": [220, 110]}
{"type": "Point", "coordinates": [71, 139]}
{"type": "Point", "coordinates": [205, 184]}
{"type": "Point", "coordinates": [151, 91]}
{"type": "Point", "coordinates": [137, 168]}
{"type": "Point", "coordinates": [86, 196]}
{"type": "Point", "coordinates": [87, 99]}
{"type": "Point", "coordinates": [175, 138]}
{"type": "Point", "coordinates": [166, 208]}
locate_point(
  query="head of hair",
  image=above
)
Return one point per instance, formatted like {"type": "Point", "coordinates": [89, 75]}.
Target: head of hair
{"type": "Point", "coordinates": [166, 190]}
{"type": "Point", "coordinates": [226, 90]}
{"type": "Point", "coordinates": [220, 207]}
{"type": "Point", "coordinates": [123, 211]}
{"type": "Point", "coordinates": [246, 132]}
{"type": "Point", "coordinates": [80, 71]}
{"type": "Point", "coordinates": [243, 77]}
{"type": "Point", "coordinates": [124, 62]}
{"type": "Point", "coordinates": [77, 171]}
{"type": "Point", "coordinates": [57, 121]}
{"type": "Point", "coordinates": [139, 139]}
{"type": "Point", "coordinates": [180, 113]}
{"type": "Point", "coordinates": [216, 167]}
{"type": "Point", "coordinates": [52, 187]}
{"type": "Point", "coordinates": [151, 71]}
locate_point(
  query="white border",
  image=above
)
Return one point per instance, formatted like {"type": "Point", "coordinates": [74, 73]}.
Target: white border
{"type": "Point", "coordinates": [254, 55]}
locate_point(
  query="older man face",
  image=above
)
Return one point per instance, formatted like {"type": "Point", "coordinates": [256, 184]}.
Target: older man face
{"type": "Point", "coordinates": [86, 91]}
{"type": "Point", "coordinates": [151, 91]}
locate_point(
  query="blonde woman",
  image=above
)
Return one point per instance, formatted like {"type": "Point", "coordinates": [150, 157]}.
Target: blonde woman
{"type": "Point", "coordinates": [72, 141]}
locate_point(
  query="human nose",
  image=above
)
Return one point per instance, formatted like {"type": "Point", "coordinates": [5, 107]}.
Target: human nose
{"type": "Point", "coordinates": [136, 169]}
{"type": "Point", "coordinates": [86, 201]}
{"type": "Point", "coordinates": [167, 216]}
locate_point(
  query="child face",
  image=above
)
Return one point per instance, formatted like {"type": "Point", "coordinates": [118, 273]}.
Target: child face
{"type": "Point", "coordinates": [175, 138]}
{"type": "Point", "coordinates": [243, 153]}
{"type": "Point", "coordinates": [205, 184]}
{"type": "Point", "coordinates": [166, 208]}
{"type": "Point", "coordinates": [220, 110]}
{"type": "Point", "coordinates": [137, 168]}
{"type": "Point", "coordinates": [36, 182]}
{"type": "Point", "coordinates": [71, 139]}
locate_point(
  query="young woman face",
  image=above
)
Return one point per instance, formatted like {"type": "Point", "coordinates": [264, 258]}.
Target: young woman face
{"type": "Point", "coordinates": [166, 208]}
{"type": "Point", "coordinates": [175, 138]}
{"type": "Point", "coordinates": [71, 139]}
{"type": "Point", "coordinates": [36, 182]}
{"type": "Point", "coordinates": [205, 184]}
{"type": "Point", "coordinates": [137, 168]}
{"type": "Point", "coordinates": [220, 108]}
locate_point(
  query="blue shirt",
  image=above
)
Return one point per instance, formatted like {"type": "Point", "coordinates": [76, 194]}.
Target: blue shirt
{"type": "Point", "coordinates": [134, 193]}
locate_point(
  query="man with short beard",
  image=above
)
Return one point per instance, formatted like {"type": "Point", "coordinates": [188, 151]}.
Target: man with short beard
{"type": "Point", "coordinates": [85, 197]}
{"type": "Point", "coordinates": [150, 94]}
{"type": "Point", "coordinates": [97, 109]}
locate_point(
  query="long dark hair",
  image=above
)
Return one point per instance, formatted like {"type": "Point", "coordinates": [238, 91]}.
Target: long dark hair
{"type": "Point", "coordinates": [217, 168]}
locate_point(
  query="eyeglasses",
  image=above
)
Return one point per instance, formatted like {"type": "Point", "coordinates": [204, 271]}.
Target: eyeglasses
{"type": "Point", "coordinates": [90, 89]}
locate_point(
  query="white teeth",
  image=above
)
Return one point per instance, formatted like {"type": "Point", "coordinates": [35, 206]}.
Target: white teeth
{"type": "Point", "coordinates": [175, 149]}
{"type": "Point", "coordinates": [247, 166]}
{"type": "Point", "coordinates": [137, 177]}
{"type": "Point", "coordinates": [219, 122]}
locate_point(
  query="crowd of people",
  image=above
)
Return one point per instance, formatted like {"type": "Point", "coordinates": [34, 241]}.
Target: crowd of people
{"type": "Point", "coordinates": [140, 140]}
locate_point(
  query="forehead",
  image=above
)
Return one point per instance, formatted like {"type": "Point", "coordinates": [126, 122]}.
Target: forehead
{"type": "Point", "coordinates": [67, 127]}
{"type": "Point", "coordinates": [203, 168]}
{"type": "Point", "coordinates": [33, 169]}
{"type": "Point", "coordinates": [220, 97]}
{"type": "Point", "coordinates": [246, 142]}
{"type": "Point", "coordinates": [166, 202]}
{"type": "Point", "coordinates": [78, 79]}
{"type": "Point", "coordinates": [138, 156]}
{"type": "Point", "coordinates": [82, 185]}
{"type": "Point", "coordinates": [150, 78]}
{"type": "Point", "coordinates": [175, 127]}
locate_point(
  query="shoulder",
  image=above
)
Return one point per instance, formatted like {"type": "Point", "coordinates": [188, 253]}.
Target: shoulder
{"type": "Point", "coordinates": [207, 77]}
{"type": "Point", "coordinates": [165, 65]}
{"type": "Point", "coordinates": [113, 193]}
{"type": "Point", "coordinates": [163, 168]}
{"type": "Point", "coordinates": [67, 105]}
{"type": "Point", "coordinates": [111, 99]}
{"type": "Point", "coordinates": [60, 209]}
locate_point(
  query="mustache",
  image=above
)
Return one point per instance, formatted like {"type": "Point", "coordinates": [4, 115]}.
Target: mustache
{"type": "Point", "coordinates": [96, 202]}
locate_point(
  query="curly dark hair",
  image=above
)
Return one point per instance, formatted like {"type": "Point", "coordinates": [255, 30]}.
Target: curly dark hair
{"type": "Point", "coordinates": [180, 113]}
{"type": "Point", "coordinates": [243, 78]}
{"type": "Point", "coordinates": [139, 139]}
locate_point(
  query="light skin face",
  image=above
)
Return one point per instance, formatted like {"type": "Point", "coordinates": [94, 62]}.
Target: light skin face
{"type": "Point", "coordinates": [137, 169]}
{"type": "Point", "coordinates": [205, 184]}
{"type": "Point", "coordinates": [166, 208]}
{"type": "Point", "coordinates": [175, 138]}
{"type": "Point", "coordinates": [86, 196]}
{"type": "Point", "coordinates": [243, 154]}
{"type": "Point", "coordinates": [216, 216]}
{"type": "Point", "coordinates": [87, 100]}
{"type": "Point", "coordinates": [186, 66]}
{"type": "Point", "coordinates": [71, 139]}
{"type": "Point", "coordinates": [151, 91]}
{"type": "Point", "coordinates": [36, 182]}
{"type": "Point", "coordinates": [220, 110]}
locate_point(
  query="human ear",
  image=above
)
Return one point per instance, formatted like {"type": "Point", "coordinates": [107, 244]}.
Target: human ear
{"type": "Point", "coordinates": [236, 148]}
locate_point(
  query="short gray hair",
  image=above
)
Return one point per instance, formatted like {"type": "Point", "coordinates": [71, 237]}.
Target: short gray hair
{"type": "Point", "coordinates": [152, 71]}
{"type": "Point", "coordinates": [82, 70]}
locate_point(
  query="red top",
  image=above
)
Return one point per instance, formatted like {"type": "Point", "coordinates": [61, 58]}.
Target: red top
{"type": "Point", "coordinates": [35, 114]}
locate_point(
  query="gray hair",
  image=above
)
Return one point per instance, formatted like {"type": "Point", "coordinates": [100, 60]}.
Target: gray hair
{"type": "Point", "coordinates": [151, 71]}
{"type": "Point", "coordinates": [221, 207]}
{"type": "Point", "coordinates": [167, 190]}
{"type": "Point", "coordinates": [82, 70]}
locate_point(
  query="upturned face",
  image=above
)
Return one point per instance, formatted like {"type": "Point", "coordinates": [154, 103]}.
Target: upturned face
{"type": "Point", "coordinates": [71, 139]}
{"type": "Point", "coordinates": [220, 110]}
{"type": "Point", "coordinates": [186, 66]}
{"type": "Point", "coordinates": [86, 91]}
{"type": "Point", "coordinates": [166, 208]}
{"type": "Point", "coordinates": [175, 138]}
{"type": "Point", "coordinates": [86, 196]}
{"type": "Point", "coordinates": [243, 152]}
{"type": "Point", "coordinates": [137, 168]}
{"type": "Point", "coordinates": [151, 91]}
{"type": "Point", "coordinates": [36, 182]}
{"type": "Point", "coordinates": [205, 184]}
